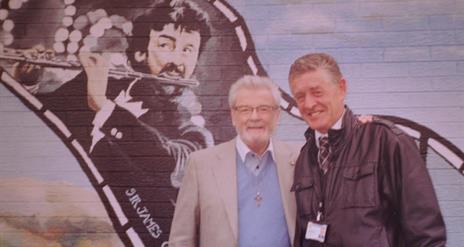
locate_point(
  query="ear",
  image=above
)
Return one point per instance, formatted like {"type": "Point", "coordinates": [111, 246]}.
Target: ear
{"type": "Point", "coordinates": [140, 56]}
{"type": "Point", "coordinates": [278, 113]}
{"type": "Point", "coordinates": [233, 116]}
{"type": "Point", "coordinates": [342, 86]}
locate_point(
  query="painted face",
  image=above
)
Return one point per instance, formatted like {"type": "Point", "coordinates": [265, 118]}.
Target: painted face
{"type": "Point", "coordinates": [173, 52]}
{"type": "Point", "coordinates": [319, 99]}
{"type": "Point", "coordinates": [255, 116]}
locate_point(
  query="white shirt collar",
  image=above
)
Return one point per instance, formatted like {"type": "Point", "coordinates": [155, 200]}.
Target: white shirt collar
{"type": "Point", "coordinates": [243, 149]}
{"type": "Point", "coordinates": [252, 161]}
{"type": "Point", "coordinates": [336, 126]}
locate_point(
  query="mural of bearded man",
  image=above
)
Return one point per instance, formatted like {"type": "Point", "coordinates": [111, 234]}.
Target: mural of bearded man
{"type": "Point", "coordinates": [139, 123]}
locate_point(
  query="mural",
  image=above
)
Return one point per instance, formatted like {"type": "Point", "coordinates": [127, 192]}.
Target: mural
{"type": "Point", "coordinates": [129, 88]}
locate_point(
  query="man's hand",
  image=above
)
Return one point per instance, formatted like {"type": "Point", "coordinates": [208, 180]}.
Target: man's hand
{"type": "Point", "coordinates": [365, 118]}
{"type": "Point", "coordinates": [96, 68]}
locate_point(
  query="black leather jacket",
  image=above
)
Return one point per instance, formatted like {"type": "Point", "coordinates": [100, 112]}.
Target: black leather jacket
{"type": "Point", "coordinates": [377, 191]}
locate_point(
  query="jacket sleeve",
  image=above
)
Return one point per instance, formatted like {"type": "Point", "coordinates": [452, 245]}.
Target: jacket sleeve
{"type": "Point", "coordinates": [417, 205]}
{"type": "Point", "coordinates": [185, 224]}
{"type": "Point", "coordinates": [298, 239]}
{"type": "Point", "coordinates": [139, 136]}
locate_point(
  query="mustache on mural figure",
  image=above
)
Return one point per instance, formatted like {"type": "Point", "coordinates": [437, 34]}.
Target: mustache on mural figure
{"type": "Point", "coordinates": [173, 70]}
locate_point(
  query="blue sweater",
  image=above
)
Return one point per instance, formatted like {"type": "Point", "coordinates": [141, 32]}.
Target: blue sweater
{"type": "Point", "coordinates": [263, 225]}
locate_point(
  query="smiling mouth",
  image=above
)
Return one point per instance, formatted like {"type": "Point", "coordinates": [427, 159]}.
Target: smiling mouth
{"type": "Point", "coordinates": [255, 128]}
{"type": "Point", "coordinates": [314, 114]}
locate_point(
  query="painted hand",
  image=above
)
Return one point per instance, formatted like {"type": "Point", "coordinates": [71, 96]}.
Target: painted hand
{"type": "Point", "coordinates": [96, 68]}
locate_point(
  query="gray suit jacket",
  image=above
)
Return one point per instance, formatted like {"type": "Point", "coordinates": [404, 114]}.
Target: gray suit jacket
{"type": "Point", "coordinates": [207, 209]}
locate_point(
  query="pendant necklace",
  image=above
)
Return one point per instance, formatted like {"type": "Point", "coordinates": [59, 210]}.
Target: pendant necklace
{"type": "Point", "coordinates": [258, 198]}
{"type": "Point", "coordinates": [257, 181]}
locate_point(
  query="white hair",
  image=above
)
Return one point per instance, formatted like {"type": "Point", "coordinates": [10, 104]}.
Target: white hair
{"type": "Point", "coordinates": [253, 82]}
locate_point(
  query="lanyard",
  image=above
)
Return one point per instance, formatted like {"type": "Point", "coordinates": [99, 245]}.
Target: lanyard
{"type": "Point", "coordinates": [321, 204]}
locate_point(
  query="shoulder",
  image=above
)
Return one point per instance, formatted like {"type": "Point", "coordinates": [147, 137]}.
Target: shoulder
{"type": "Point", "coordinates": [384, 129]}
{"type": "Point", "coordinates": [287, 147]}
{"type": "Point", "coordinates": [214, 151]}
{"type": "Point", "coordinates": [380, 124]}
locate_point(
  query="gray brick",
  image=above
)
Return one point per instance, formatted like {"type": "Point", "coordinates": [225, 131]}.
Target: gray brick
{"type": "Point", "coordinates": [451, 129]}
{"type": "Point", "coordinates": [15, 133]}
{"type": "Point", "coordinates": [390, 85]}
{"type": "Point", "coordinates": [460, 68]}
{"type": "Point", "coordinates": [301, 25]}
{"type": "Point", "coordinates": [443, 22]}
{"type": "Point", "coordinates": [379, 39]}
{"type": "Point", "coordinates": [418, 53]}
{"type": "Point", "coordinates": [33, 149]}
{"type": "Point", "coordinates": [359, 25]}
{"type": "Point", "coordinates": [454, 225]}
{"type": "Point", "coordinates": [279, 57]}
{"type": "Point", "coordinates": [432, 7]}
{"type": "Point", "coordinates": [263, 12]}
{"type": "Point", "coordinates": [432, 68]}
{"type": "Point", "coordinates": [3, 90]}
{"type": "Point", "coordinates": [459, 20]}
{"type": "Point", "coordinates": [342, 9]}
{"type": "Point", "coordinates": [449, 192]}
{"type": "Point", "coordinates": [44, 164]}
{"type": "Point", "coordinates": [448, 82]}
{"type": "Point", "coordinates": [446, 177]}
{"type": "Point", "coordinates": [281, 70]}
{"type": "Point", "coordinates": [459, 36]}
{"type": "Point", "coordinates": [447, 52]}
{"type": "Point", "coordinates": [295, 133]}
{"type": "Point", "coordinates": [459, 7]}
{"type": "Point", "coordinates": [452, 208]}
{"type": "Point", "coordinates": [290, 42]}
{"type": "Point", "coordinates": [417, 114]}
{"type": "Point", "coordinates": [454, 239]}
{"type": "Point", "coordinates": [376, 70]}
{"type": "Point", "coordinates": [12, 103]}
{"type": "Point", "coordinates": [20, 119]}
{"type": "Point", "coordinates": [413, 100]}
{"type": "Point", "coordinates": [406, 23]}
{"type": "Point", "coordinates": [458, 142]}
{"type": "Point", "coordinates": [383, 9]}
{"type": "Point", "coordinates": [436, 161]}
{"type": "Point", "coordinates": [356, 55]}
{"type": "Point", "coordinates": [418, 38]}
{"type": "Point", "coordinates": [352, 70]}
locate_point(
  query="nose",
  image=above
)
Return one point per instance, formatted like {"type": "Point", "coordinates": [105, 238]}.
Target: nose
{"type": "Point", "coordinates": [176, 56]}
{"type": "Point", "coordinates": [309, 102]}
{"type": "Point", "coordinates": [254, 114]}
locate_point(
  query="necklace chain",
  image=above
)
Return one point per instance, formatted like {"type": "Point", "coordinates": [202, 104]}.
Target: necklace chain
{"type": "Point", "coordinates": [257, 179]}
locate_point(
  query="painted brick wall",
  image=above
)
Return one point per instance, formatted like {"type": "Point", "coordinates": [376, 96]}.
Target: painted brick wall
{"type": "Point", "coordinates": [402, 58]}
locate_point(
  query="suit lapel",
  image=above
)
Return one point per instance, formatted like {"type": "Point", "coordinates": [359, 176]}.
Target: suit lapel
{"type": "Point", "coordinates": [285, 160]}
{"type": "Point", "coordinates": [225, 172]}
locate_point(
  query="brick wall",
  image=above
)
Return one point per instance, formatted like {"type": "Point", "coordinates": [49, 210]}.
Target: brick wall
{"type": "Point", "coordinates": [403, 58]}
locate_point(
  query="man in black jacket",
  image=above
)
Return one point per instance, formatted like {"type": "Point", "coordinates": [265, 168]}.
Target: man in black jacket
{"type": "Point", "coordinates": [356, 184]}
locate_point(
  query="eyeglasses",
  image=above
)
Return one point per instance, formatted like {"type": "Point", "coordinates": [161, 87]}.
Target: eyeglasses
{"type": "Point", "coordinates": [246, 110]}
